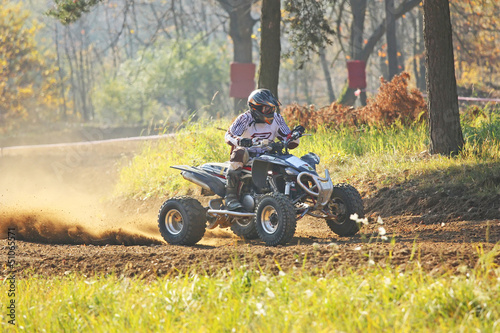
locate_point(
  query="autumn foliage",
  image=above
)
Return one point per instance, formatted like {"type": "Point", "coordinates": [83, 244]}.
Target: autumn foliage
{"type": "Point", "coordinates": [475, 39]}
{"type": "Point", "coordinates": [394, 102]}
{"type": "Point", "coordinates": [28, 84]}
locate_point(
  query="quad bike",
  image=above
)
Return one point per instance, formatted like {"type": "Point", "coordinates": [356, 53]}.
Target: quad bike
{"type": "Point", "coordinates": [276, 189]}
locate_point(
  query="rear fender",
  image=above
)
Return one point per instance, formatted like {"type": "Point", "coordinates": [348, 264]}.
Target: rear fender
{"type": "Point", "coordinates": [202, 178]}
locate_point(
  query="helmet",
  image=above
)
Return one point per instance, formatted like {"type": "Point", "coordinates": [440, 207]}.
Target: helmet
{"type": "Point", "coordinates": [263, 104]}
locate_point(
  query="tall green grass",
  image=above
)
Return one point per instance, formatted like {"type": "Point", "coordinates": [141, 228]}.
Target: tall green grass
{"type": "Point", "coordinates": [384, 155]}
{"type": "Point", "coordinates": [149, 173]}
{"type": "Point", "coordinates": [237, 299]}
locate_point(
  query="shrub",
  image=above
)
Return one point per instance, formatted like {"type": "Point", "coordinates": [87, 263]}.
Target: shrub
{"type": "Point", "coordinates": [393, 103]}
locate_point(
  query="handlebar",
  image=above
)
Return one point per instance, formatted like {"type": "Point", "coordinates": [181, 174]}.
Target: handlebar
{"type": "Point", "coordinates": [279, 145]}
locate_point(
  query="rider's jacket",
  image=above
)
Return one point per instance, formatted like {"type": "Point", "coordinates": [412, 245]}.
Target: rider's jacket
{"type": "Point", "coordinates": [245, 127]}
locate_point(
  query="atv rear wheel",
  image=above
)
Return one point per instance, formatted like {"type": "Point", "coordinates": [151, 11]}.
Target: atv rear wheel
{"type": "Point", "coordinates": [344, 202]}
{"type": "Point", "coordinates": [245, 228]}
{"type": "Point", "coordinates": [275, 219]}
{"type": "Point", "coordinates": [182, 221]}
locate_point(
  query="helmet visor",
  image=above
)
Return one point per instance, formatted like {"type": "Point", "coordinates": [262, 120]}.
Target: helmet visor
{"type": "Point", "coordinates": [267, 109]}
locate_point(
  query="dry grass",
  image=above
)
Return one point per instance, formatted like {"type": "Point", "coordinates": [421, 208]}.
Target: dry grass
{"type": "Point", "coordinates": [394, 102]}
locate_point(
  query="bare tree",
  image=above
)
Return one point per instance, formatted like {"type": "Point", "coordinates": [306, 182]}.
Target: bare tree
{"type": "Point", "coordinates": [326, 73]}
{"type": "Point", "coordinates": [241, 25]}
{"type": "Point", "coordinates": [417, 42]}
{"type": "Point", "coordinates": [240, 28]}
{"type": "Point", "coordinates": [63, 107]}
{"type": "Point", "coordinates": [392, 51]}
{"type": "Point", "coordinates": [121, 30]}
{"type": "Point", "coordinates": [347, 97]}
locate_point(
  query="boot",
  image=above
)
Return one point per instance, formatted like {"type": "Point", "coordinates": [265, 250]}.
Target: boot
{"type": "Point", "coordinates": [233, 178]}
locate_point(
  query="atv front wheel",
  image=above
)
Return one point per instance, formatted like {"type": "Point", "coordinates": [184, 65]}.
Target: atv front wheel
{"type": "Point", "coordinates": [182, 221]}
{"type": "Point", "coordinates": [275, 219]}
{"type": "Point", "coordinates": [345, 201]}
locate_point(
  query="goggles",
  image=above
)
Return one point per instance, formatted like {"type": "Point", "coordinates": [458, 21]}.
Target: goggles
{"type": "Point", "coordinates": [267, 109]}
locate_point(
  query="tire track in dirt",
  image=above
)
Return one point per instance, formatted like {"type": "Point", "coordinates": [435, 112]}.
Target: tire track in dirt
{"type": "Point", "coordinates": [53, 228]}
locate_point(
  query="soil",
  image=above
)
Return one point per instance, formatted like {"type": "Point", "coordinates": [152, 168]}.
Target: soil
{"type": "Point", "coordinates": [56, 202]}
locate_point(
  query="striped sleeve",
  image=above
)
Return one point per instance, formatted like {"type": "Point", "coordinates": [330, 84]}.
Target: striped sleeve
{"type": "Point", "coordinates": [237, 128]}
{"type": "Point", "coordinates": [283, 129]}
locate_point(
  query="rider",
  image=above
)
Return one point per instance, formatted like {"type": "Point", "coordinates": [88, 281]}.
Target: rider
{"type": "Point", "coordinates": [260, 122]}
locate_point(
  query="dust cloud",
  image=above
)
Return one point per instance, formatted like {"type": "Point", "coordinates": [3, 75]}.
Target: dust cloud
{"type": "Point", "coordinates": [61, 195]}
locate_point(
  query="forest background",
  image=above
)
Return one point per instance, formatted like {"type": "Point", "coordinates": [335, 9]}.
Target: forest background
{"type": "Point", "coordinates": [153, 64]}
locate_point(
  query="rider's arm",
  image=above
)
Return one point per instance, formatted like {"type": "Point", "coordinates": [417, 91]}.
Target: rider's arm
{"type": "Point", "coordinates": [284, 131]}
{"type": "Point", "coordinates": [237, 128]}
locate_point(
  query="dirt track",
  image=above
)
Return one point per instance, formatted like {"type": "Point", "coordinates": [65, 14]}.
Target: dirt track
{"type": "Point", "coordinates": [56, 201]}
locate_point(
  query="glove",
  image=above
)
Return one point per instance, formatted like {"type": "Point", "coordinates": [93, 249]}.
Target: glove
{"type": "Point", "coordinates": [246, 142]}
{"type": "Point", "coordinates": [300, 129]}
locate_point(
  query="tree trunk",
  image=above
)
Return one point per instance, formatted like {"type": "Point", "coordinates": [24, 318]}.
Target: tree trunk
{"type": "Point", "coordinates": [270, 47]}
{"type": "Point", "coordinates": [357, 28]}
{"type": "Point", "coordinates": [421, 84]}
{"type": "Point", "coordinates": [444, 120]}
{"type": "Point", "coordinates": [328, 78]}
{"type": "Point", "coordinates": [347, 96]}
{"type": "Point", "coordinates": [74, 88]}
{"type": "Point", "coordinates": [240, 30]}
{"type": "Point", "coordinates": [63, 107]}
{"type": "Point", "coordinates": [392, 53]}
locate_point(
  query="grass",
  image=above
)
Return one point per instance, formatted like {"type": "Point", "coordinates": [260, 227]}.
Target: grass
{"type": "Point", "coordinates": [150, 174]}
{"type": "Point", "coordinates": [383, 156]}
{"type": "Point", "coordinates": [242, 300]}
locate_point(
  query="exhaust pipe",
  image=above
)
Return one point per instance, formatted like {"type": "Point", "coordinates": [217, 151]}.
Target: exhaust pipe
{"type": "Point", "coordinates": [215, 212]}
{"type": "Point", "coordinates": [217, 203]}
